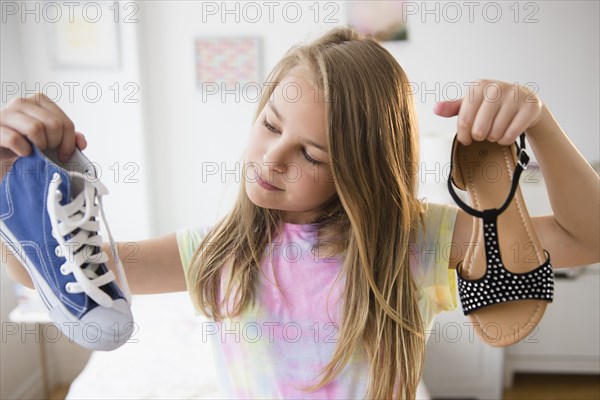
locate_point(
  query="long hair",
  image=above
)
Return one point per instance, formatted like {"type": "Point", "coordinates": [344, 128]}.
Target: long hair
{"type": "Point", "coordinates": [373, 143]}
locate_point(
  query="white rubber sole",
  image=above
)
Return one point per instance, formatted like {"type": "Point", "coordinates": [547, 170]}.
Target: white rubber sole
{"type": "Point", "coordinates": [102, 329]}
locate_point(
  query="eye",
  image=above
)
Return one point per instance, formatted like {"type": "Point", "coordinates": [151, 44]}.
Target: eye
{"type": "Point", "coordinates": [269, 126]}
{"type": "Point", "coordinates": [274, 130]}
{"type": "Point", "coordinates": [310, 159]}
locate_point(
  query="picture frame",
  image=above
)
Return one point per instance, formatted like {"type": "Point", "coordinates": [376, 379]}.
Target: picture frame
{"type": "Point", "coordinates": [76, 43]}
{"type": "Point", "coordinates": [228, 63]}
{"type": "Point", "coordinates": [384, 20]}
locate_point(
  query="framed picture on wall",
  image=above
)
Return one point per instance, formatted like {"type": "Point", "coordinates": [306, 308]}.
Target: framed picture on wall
{"type": "Point", "coordinates": [90, 43]}
{"type": "Point", "coordinates": [227, 63]}
{"type": "Point", "coordinates": [385, 20]}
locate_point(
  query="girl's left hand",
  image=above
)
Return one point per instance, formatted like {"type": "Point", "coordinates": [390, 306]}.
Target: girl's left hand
{"type": "Point", "coordinates": [494, 111]}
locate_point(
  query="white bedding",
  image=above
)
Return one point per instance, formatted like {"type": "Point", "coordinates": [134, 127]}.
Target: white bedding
{"type": "Point", "coordinates": [164, 359]}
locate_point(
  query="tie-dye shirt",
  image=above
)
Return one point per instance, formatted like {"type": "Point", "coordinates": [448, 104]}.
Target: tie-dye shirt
{"type": "Point", "coordinates": [282, 342]}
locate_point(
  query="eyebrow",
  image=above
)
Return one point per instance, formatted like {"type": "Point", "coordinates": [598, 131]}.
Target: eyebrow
{"type": "Point", "coordinates": [317, 145]}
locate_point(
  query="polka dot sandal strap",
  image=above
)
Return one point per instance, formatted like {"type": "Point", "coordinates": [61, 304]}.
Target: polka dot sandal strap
{"type": "Point", "coordinates": [499, 285]}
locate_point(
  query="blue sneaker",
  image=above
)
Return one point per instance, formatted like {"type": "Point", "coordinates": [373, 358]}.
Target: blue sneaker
{"type": "Point", "coordinates": [48, 216]}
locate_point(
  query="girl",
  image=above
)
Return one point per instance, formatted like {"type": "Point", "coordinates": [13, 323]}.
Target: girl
{"type": "Point", "coordinates": [321, 281]}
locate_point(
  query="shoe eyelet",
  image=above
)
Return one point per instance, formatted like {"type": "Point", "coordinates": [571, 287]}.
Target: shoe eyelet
{"type": "Point", "coordinates": [63, 270]}
{"type": "Point", "coordinates": [58, 195]}
{"type": "Point", "coordinates": [58, 251]}
{"type": "Point", "coordinates": [68, 287]}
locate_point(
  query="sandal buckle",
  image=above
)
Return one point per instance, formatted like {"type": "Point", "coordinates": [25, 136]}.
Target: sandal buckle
{"type": "Point", "coordinates": [523, 158]}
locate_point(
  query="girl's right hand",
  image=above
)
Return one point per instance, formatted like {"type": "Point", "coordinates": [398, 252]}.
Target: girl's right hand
{"type": "Point", "coordinates": [40, 120]}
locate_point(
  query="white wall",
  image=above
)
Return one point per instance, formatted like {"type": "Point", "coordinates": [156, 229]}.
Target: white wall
{"type": "Point", "coordinates": [558, 55]}
{"type": "Point", "coordinates": [16, 358]}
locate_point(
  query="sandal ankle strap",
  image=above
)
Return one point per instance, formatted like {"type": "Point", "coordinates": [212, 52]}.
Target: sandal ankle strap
{"type": "Point", "coordinates": [522, 162]}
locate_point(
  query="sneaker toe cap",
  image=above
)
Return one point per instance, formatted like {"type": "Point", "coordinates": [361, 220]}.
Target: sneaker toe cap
{"type": "Point", "coordinates": [109, 328]}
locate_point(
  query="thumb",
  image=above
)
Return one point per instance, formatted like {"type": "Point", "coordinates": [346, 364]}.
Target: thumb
{"type": "Point", "coordinates": [80, 141]}
{"type": "Point", "coordinates": [447, 108]}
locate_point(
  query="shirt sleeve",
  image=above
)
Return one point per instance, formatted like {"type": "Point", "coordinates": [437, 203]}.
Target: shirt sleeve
{"type": "Point", "coordinates": [188, 241]}
{"type": "Point", "coordinates": [430, 259]}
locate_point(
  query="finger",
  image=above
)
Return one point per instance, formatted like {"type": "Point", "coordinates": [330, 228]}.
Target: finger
{"type": "Point", "coordinates": [466, 116]}
{"type": "Point", "coordinates": [518, 125]}
{"type": "Point", "coordinates": [53, 125]}
{"type": "Point", "coordinates": [27, 126]}
{"type": "Point", "coordinates": [14, 141]}
{"type": "Point", "coordinates": [447, 108]}
{"type": "Point", "coordinates": [484, 119]}
{"type": "Point", "coordinates": [66, 147]}
{"type": "Point", "coordinates": [80, 141]}
{"type": "Point", "coordinates": [68, 128]}
{"type": "Point", "coordinates": [502, 121]}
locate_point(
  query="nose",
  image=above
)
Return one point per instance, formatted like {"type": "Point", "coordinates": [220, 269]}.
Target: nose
{"type": "Point", "coordinates": [273, 166]}
{"type": "Point", "coordinates": [274, 158]}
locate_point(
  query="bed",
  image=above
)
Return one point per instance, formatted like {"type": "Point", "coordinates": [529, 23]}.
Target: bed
{"type": "Point", "coordinates": [165, 358]}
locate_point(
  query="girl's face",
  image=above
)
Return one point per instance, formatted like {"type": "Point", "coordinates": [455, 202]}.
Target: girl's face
{"type": "Point", "coordinates": [287, 149]}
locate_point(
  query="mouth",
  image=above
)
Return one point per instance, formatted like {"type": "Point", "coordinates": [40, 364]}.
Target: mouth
{"type": "Point", "coordinates": [266, 185]}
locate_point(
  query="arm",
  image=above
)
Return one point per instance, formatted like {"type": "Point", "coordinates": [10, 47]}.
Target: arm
{"type": "Point", "coordinates": [572, 234]}
{"type": "Point", "coordinates": [563, 248]}
{"type": "Point", "coordinates": [151, 266]}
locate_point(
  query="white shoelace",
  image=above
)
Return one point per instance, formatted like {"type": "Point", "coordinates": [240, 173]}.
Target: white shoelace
{"type": "Point", "coordinates": [78, 214]}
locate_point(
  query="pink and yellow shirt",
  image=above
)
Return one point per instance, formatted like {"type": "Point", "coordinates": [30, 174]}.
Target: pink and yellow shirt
{"type": "Point", "coordinates": [283, 341]}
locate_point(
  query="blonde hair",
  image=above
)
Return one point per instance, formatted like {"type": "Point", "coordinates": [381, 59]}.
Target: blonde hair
{"type": "Point", "coordinates": [373, 143]}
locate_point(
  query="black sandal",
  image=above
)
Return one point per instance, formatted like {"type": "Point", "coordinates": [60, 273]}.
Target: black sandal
{"type": "Point", "coordinates": [504, 305]}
